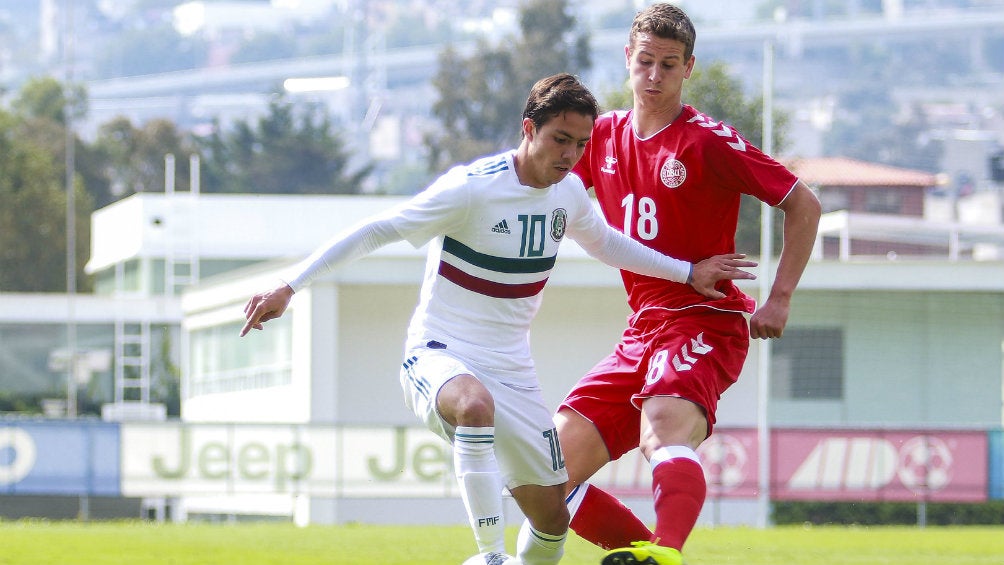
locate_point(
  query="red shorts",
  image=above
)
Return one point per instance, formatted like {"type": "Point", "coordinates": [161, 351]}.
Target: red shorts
{"type": "Point", "coordinates": [694, 354]}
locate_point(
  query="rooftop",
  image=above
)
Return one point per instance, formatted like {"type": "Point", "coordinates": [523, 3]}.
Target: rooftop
{"type": "Point", "coordinates": [843, 171]}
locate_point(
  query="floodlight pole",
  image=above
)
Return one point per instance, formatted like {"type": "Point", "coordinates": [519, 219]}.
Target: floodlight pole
{"type": "Point", "coordinates": [84, 508]}
{"type": "Point", "coordinates": [71, 217]}
{"type": "Point", "coordinates": [763, 345]}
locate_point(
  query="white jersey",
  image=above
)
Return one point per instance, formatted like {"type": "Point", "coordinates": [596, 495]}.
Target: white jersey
{"type": "Point", "coordinates": [492, 245]}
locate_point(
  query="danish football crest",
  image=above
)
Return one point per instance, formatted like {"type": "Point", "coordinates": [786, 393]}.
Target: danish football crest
{"type": "Point", "coordinates": [558, 221]}
{"type": "Point", "coordinates": [673, 173]}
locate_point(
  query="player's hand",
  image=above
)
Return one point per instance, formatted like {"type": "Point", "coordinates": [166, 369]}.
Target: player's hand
{"type": "Point", "coordinates": [719, 267]}
{"type": "Point", "coordinates": [769, 319]}
{"type": "Point", "coordinates": [265, 306]}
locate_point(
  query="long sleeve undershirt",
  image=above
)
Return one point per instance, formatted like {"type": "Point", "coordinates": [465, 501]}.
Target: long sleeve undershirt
{"type": "Point", "coordinates": [347, 246]}
{"type": "Point", "coordinates": [620, 251]}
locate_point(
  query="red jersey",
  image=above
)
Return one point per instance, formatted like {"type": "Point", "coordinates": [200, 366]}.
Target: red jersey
{"type": "Point", "coordinates": [678, 192]}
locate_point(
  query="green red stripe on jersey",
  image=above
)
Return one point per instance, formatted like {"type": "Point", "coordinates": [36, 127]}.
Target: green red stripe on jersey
{"type": "Point", "coordinates": [487, 287]}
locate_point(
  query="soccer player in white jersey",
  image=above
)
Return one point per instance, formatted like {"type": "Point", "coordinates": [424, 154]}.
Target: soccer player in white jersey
{"type": "Point", "coordinates": [671, 178]}
{"type": "Point", "coordinates": [495, 226]}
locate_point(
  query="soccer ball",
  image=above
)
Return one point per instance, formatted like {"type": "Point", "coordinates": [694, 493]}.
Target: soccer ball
{"type": "Point", "coordinates": [491, 558]}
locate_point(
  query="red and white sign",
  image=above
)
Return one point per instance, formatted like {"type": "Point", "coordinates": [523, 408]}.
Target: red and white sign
{"type": "Point", "coordinates": [865, 465]}
{"type": "Point", "coordinates": [729, 457]}
{"type": "Point", "coordinates": [731, 462]}
{"type": "Point", "coordinates": [879, 465]}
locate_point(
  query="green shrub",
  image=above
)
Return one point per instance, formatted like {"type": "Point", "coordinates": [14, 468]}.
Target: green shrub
{"type": "Point", "coordinates": [888, 513]}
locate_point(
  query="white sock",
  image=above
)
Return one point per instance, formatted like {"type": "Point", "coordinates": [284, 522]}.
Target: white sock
{"type": "Point", "coordinates": [538, 548]}
{"type": "Point", "coordinates": [480, 485]}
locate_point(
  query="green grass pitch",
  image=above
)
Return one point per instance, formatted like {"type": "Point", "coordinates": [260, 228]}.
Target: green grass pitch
{"type": "Point", "coordinates": [33, 542]}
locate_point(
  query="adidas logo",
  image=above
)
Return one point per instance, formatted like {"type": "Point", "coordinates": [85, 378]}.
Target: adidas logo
{"type": "Point", "coordinates": [495, 558]}
{"type": "Point", "coordinates": [501, 227]}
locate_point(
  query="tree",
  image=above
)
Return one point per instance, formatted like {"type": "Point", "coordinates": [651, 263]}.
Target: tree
{"type": "Point", "coordinates": [42, 104]}
{"type": "Point", "coordinates": [45, 98]}
{"type": "Point", "coordinates": [133, 158]}
{"type": "Point", "coordinates": [481, 96]}
{"type": "Point", "coordinates": [165, 385]}
{"type": "Point", "coordinates": [33, 215]}
{"type": "Point", "coordinates": [288, 151]}
{"type": "Point", "coordinates": [33, 189]}
{"type": "Point", "coordinates": [544, 23]}
{"type": "Point", "coordinates": [473, 125]}
{"type": "Point", "coordinates": [714, 92]}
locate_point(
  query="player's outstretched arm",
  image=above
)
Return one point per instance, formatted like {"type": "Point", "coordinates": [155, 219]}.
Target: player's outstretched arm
{"type": "Point", "coordinates": [266, 306]}
{"type": "Point", "coordinates": [719, 267]}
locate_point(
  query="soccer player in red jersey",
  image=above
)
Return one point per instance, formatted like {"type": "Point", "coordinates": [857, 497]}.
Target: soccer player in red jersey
{"type": "Point", "coordinates": [671, 177]}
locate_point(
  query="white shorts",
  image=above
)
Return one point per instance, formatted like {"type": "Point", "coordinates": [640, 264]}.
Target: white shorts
{"type": "Point", "coordinates": [526, 441]}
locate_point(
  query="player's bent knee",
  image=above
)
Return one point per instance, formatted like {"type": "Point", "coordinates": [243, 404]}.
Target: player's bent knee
{"type": "Point", "coordinates": [474, 411]}
{"type": "Point", "coordinates": [464, 401]}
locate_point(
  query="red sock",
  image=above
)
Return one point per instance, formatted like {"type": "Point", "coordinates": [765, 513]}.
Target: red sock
{"type": "Point", "coordinates": [603, 520]}
{"type": "Point", "coordinates": [679, 488]}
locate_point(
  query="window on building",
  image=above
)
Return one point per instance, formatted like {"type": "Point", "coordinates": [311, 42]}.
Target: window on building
{"type": "Point", "coordinates": [833, 199]}
{"type": "Point", "coordinates": [219, 362]}
{"type": "Point", "coordinates": [132, 276]}
{"type": "Point", "coordinates": [883, 202]}
{"type": "Point", "coordinates": [808, 364]}
{"type": "Point", "coordinates": [33, 365]}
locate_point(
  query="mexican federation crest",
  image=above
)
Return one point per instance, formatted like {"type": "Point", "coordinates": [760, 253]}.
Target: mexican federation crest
{"type": "Point", "coordinates": [673, 173]}
{"type": "Point", "coordinates": [559, 219]}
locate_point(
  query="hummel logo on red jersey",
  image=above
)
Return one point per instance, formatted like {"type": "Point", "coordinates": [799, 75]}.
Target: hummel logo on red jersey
{"type": "Point", "coordinates": [501, 227]}
{"type": "Point", "coordinates": [684, 361]}
{"type": "Point", "coordinates": [723, 131]}
{"type": "Point", "coordinates": [610, 161]}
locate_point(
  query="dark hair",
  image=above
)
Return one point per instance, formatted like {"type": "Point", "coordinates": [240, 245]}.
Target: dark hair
{"type": "Point", "coordinates": [666, 21]}
{"type": "Point", "coordinates": [557, 94]}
